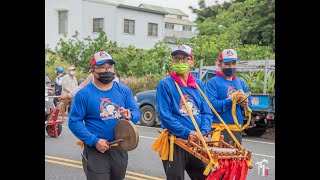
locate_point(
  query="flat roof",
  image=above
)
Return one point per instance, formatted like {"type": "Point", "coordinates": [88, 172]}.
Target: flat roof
{"type": "Point", "coordinates": [141, 9]}
{"type": "Point", "coordinates": [179, 21]}
{"type": "Point", "coordinates": [164, 9]}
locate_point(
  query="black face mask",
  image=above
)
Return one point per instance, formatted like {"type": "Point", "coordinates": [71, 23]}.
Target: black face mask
{"type": "Point", "coordinates": [105, 77]}
{"type": "Point", "coordinates": [229, 71]}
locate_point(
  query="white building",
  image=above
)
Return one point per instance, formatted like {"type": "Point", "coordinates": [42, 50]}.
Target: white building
{"type": "Point", "coordinates": [177, 24]}
{"type": "Point", "coordinates": [127, 25]}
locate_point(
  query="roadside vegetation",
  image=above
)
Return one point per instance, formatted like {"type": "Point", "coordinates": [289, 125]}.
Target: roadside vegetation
{"type": "Point", "coordinates": [244, 25]}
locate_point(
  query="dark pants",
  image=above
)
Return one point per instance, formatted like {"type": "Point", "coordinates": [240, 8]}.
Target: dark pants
{"type": "Point", "coordinates": [111, 165]}
{"type": "Point", "coordinates": [56, 100]}
{"type": "Point", "coordinates": [228, 138]}
{"type": "Point", "coordinates": [183, 160]}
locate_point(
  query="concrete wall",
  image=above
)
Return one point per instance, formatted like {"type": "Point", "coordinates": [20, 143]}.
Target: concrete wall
{"type": "Point", "coordinates": [178, 33]}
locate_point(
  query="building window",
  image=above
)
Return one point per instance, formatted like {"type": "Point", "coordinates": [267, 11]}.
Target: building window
{"type": "Point", "coordinates": [97, 25]}
{"type": "Point", "coordinates": [63, 22]}
{"type": "Point", "coordinates": [152, 29]}
{"type": "Point", "coordinates": [128, 26]}
{"type": "Point", "coordinates": [169, 26]}
{"type": "Point", "coordinates": [187, 28]}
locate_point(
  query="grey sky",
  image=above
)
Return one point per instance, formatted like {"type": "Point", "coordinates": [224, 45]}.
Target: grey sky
{"type": "Point", "coordinates": [178, 4]}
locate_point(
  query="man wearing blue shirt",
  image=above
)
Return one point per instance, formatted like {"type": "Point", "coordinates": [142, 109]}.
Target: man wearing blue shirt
{"type": "Point", "coordinates": [95, 110]}
{"type": "Point", "coordinates": [219, 91]}
{"type": "Point", "coordinates": [175, 117]}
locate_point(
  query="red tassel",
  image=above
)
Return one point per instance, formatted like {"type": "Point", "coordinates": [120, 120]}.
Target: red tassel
{"type": "Point", "coordinates": [216, 175]}
{"type": "Point", "coordinates": [227, 168]}
{"type": "Point", "coordinates": [244, 169]}
{"type": "Point", "coordinates": [238, 171]}
{"type": "Point", "coordinates": [233, 169]}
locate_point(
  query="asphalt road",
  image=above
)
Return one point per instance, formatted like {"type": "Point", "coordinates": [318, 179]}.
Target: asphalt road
{"type": "Point", "coordinates": [63, 159]}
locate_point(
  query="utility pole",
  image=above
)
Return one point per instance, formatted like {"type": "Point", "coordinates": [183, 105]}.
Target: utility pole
{"type": "Point", "coordinates": [200, 69]}
{"type": "Point", "coordinates": [266, 65]}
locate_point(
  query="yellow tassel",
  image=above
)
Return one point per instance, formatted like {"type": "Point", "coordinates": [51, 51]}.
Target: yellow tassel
{"type": "Point", "coordinates": [171, 147]}
{"type": "Point", "coordinates": [217, 133]}
{"type": "Point", "coordinates": [161, 145]}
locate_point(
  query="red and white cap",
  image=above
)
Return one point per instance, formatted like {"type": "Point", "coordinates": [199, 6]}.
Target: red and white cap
{"type": "Point", "coordinates": [228, 55]}
{"type": "Point", "coordinates": [182, 48]}
{"type": "Point", "coordinates": [101, 57]}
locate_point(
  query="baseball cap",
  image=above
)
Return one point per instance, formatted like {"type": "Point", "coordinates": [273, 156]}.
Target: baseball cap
{"type": "Point", "coordinates": [101, 57]}
{"type": "Point", "coordinates": [182, 48]}
{"type": "Point", "coordinates": [228, 55]}
{"type": "Point", "coordinates": [71, 68]}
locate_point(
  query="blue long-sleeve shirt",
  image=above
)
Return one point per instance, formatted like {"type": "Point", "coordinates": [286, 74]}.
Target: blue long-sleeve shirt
{"type": "Point", "coordinates": [174, 115]}
{"type": "Point", "coordinates": [95, 112]}
{"type": "Point", "coordinates": [219, 90]}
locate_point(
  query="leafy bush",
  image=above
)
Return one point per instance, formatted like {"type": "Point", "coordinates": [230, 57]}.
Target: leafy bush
{"type": "Point", "coordinates": [255, 81]}
{"type": "Point", "coordinates": [56, 61]}
{"type": "Point", "coordinates": [144, 68]}
{"type": "Point", "coordinates": [148, 82]}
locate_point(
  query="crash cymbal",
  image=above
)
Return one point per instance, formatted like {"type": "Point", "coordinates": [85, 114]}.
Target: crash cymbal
{"type": "Point", "coordinates": [127, 131]}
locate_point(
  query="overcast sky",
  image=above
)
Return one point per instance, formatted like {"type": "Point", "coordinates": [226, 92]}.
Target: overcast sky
{"type": "Point", "coordinates": [178, 4]}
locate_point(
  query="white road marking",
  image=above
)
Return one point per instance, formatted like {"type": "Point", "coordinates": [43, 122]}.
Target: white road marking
{"type": "Point", "coordinates": [263, 155]}
{"type": "Point", "coordinates": [147, 137]}
{"type": "Point", "coordinates": [263, 142]}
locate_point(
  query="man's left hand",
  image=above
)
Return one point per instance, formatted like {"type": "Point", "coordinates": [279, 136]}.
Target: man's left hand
{"type": "Point", "coordinates": [125, 113]}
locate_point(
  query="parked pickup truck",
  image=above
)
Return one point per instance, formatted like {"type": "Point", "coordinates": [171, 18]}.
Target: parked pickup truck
{"type": "Point", "coordinates": [263, 107]}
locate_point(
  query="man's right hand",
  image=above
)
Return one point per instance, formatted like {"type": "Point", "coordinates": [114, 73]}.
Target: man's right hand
{"type": "Point", "coordinates": [63, 97]}
{"type": "Point", "coordinates": [102, 145]}
{"type": "Point", "coordinates": [240, 96]}
{"type": "Point", "coordinates": [193, 136]}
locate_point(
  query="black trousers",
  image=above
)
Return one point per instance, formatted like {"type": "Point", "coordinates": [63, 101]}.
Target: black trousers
{"type": "Point", "coordinates": [228, 138]}
{"type": "Point", "coordinates": [183, 160]}
{"type": "Point", "coordinates": [111, 165]}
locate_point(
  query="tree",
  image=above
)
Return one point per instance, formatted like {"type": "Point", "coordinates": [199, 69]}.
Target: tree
{"type": "Point", "coordinates": [248, 22]}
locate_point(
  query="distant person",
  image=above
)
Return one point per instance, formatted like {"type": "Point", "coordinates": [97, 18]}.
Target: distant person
{"type": "Point", "coordinates": [72, 93]}
{"type": "Point", "coordinates": [69, 84]}
{"type": "Point", "coordinates": [82, 84]}
{"type": "Point", "coordinates": [57, 83]}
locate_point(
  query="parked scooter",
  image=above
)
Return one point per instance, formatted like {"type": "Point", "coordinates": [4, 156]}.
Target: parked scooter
{"type": "Point", "coordinates": [49, 104]}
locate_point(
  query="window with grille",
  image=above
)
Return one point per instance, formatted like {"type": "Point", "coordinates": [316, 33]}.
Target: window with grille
{"type": "Point", "coordinates": [97, 25]}
{"type": "Point", "coordinates": [169, 26]}
{"type": "Point", "coordinates": [152, 29]}
{"type": "Point", "coordinates": [63, 22]}
{"type": "Point", "coordinates": [128, 26]}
